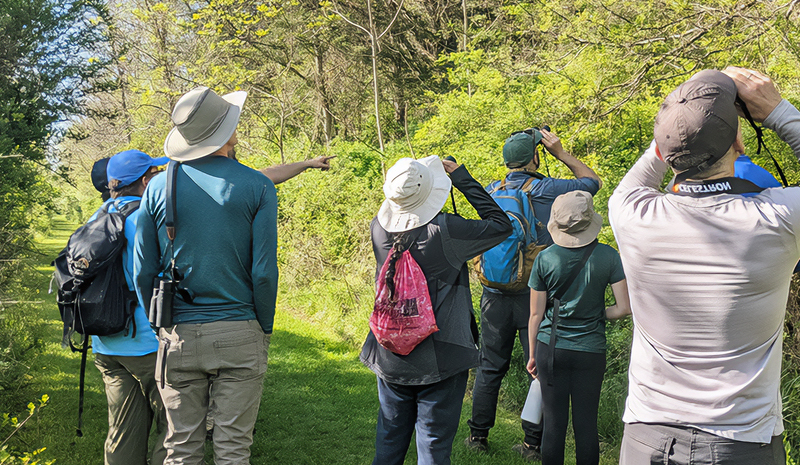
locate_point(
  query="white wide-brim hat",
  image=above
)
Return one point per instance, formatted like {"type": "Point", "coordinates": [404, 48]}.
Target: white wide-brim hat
{"type": "Point", "coordinates": [573, 221]}
{"type": "Point", "coordinates": [415, 191]}
{"type": "Point", "coordinates": [204, 122]}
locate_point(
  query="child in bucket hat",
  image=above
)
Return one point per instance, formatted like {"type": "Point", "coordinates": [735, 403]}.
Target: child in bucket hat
{"type": "Point", "coordinates": [573, 221]}
{"type": "Point", "coordinates": [572, 372]}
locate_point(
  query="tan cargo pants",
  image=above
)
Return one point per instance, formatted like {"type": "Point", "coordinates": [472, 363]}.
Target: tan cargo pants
{"type": "Point", "coordinates": [221, 364]}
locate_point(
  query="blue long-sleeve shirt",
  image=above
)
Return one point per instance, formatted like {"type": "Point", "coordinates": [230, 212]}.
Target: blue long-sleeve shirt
{"type": "Point", "coordinates": [124, 343]}
{"type": "Point", "coordinates": [225, 242]}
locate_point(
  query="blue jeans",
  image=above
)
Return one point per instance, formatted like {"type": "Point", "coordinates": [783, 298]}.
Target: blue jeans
{"type": "Point", "coordinates": [432, 409]}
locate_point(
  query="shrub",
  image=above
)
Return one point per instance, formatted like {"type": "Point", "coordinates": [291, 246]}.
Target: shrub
{"type": "Point", "coordinates": [10, 426]}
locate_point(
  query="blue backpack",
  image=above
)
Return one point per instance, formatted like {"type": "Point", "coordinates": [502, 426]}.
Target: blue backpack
{"type": "Point", "coordinates": [507, 266]}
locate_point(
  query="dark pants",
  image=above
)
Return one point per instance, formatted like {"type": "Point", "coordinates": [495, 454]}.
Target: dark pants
{"type": "Point", "coordinates": [504, 317]}
{"type": "Point", "coordinates": [433, 410]}
{"type": "Point", "coordinates": [577, 377]}
{"type": "Point", "coordinates": [678, 445]}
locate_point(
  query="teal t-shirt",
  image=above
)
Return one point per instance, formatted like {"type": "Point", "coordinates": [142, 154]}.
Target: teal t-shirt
{"type": "Point", "coordinates": [582, 321]}
{"type": "Point", "coordinates": [225, 242]}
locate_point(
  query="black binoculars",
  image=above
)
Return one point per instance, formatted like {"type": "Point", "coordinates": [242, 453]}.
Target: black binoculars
{"type": "Point", "coordinates": [160, 314]}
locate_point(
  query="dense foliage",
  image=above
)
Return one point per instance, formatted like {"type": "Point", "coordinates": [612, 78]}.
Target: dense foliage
{"type": "Point", "coordinates": [50, 65]}
{"type": "Point", "coordinates": [373, 81]}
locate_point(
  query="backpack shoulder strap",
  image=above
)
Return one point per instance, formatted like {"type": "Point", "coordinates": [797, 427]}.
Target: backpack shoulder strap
{"type": "Point", "coordinates": [84, 350]}
{"type": "Point", "coordinates": [527, 186]}
{"type": "Point", "coordinates": [129, 207]}
{"type": "Point", "coordinates": [495, 186]}
{"type": "Point", "coordinates": [172, 177]}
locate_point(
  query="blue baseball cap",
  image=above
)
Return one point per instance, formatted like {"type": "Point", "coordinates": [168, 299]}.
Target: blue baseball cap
{"type": "Point", "coordinates": [130, 165]}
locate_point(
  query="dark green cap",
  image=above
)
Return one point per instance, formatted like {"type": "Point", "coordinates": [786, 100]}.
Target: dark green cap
{"type": "Point", "coordinates": [519, 147]}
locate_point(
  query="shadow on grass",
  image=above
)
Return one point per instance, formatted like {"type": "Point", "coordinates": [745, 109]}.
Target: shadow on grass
{"type": "Point", "coordinates": [319, 404]}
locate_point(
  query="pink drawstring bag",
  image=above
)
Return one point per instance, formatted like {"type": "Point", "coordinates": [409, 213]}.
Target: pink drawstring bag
{"type": "Point", "coordinates": [403, 318]}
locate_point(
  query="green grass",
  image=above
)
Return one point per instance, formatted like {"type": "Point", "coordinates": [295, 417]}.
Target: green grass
{"type": "Point", "coordinates": [319, 405]}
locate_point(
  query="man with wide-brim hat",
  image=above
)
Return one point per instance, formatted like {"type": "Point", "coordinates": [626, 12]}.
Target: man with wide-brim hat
{"type": "Point", "coordinates": [569, 352]}
{"type": "Point", "coordinates": [214, 129]}
{"type": "Point", "coordinates": [709, 264]}
{"type": "Point", "coordinates": [224, 251]}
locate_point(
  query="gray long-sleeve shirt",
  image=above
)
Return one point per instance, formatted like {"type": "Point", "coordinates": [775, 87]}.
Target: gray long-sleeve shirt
{"type": "Point", "coordinates": [708, 279]}
{"type": "Point", "coordinates": [225, 243]}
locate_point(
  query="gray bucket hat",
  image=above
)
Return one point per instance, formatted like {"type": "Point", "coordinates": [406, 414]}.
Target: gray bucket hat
{"type": "Point", "coordinates": [698, 118]}
{"type": "Point", "coordinates": [204, 122]}
{"type": "Point", "coordinates": [573, 221]}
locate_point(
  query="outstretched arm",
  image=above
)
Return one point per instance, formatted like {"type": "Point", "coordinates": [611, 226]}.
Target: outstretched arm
{"type": "Point", "coordinates": [280, 173]}
{"type": "Point", "coordinates": [553, 145]}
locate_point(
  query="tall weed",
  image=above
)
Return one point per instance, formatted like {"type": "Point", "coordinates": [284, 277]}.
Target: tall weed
{"type": "Point", "coordinates": [10, 426]}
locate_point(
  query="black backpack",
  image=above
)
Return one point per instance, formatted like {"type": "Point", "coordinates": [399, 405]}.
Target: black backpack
{"type": "Point", "coordinates": [92, 294]}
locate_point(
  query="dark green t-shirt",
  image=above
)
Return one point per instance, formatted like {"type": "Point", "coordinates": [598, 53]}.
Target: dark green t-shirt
{"type": "Point", "coordinates": [582, 322]}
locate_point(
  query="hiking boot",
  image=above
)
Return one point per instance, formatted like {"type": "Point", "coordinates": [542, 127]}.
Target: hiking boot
{"type": "Point", "coordinates": [477, 443]}
{"type": "Point", "coordinates": [529, 453]}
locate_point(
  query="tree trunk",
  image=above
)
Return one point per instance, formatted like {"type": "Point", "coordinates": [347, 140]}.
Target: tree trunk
{"type": "Point", "coordinates": [373, 36]}
{"type": "Point", "coordinates": [323, 97]}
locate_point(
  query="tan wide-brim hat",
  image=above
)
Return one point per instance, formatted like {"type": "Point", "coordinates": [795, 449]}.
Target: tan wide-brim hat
{"type": "Point", "coordinates": [573, 221]}
{"type": "Point", "coordinates": [415, 191]}
{"type": "Point", "coordinates": [204, 122]}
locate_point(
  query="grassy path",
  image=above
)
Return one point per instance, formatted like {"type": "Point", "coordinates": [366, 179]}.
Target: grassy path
{"type": "Point", "coordinates": [319, 403]}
